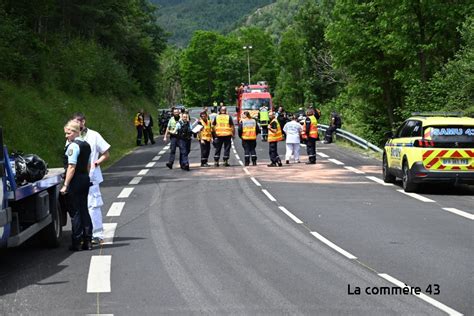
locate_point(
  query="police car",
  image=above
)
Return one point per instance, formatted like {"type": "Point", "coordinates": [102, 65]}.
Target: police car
{"type": "Point", "coordinates": [431, 148]}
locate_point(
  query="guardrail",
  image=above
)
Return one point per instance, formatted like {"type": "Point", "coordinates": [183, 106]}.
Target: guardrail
{"type": "Point", "coordinates": [352, 138]}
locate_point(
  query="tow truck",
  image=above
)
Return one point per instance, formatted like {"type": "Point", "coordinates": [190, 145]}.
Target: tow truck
{"type": "Point", "coordinates": [29, 210]}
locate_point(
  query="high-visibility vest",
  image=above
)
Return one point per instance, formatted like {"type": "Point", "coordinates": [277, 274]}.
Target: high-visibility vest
{"type": "Point", "coordinates": [138, 119]}
{"type": "Point", "coordinates": [223, 127]}
{"type": "Point", "coordinates": [264, 118]}
{"type": "Point", "coordinates": [313, 128]}
{"type": "Point", "coordinates": [206, 133]}
{"type": "Point", "coordinates": [275, 136]}
{"type": "Point", "coordinates": [249, 129]}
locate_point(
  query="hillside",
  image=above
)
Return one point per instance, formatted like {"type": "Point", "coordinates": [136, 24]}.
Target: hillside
{"type": "Point", "coordinates": [182, 17]}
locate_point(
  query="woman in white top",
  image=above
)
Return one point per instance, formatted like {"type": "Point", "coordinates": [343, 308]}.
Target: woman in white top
{"type": "Point", "coordinates": [292, 130]}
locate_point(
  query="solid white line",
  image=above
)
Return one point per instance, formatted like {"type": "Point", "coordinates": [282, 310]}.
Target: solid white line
{"type": "Point", "coordinates": [109, 233]}
{"type": "Point", "coordinates": [156, 158]}
{"type": "Point", "coordinates": [125, 193]}
{"type": "Point", "coordinates": [322, 155]}
{"type": "Point", "coordinates": [241, 163]}
{"type": "Point", "coordinates": [379, 181]}
{"type": "Point", "coordinates": [333, 246]}
{"type": "Point", "coordinates": [422, 296]}
{"type": "Point", "coordinates": [269, 196]}
{"type": "Point", "coordinates": [162, 152]}
{"type": "Point", "coordinates": [417, 196]}
{"type": "Point", "coordinates": [98, 280]}
{"type": "Point", "coordinates": [459, 212]}
{"type": "Point", "coordinates": [135, 180]}
{"type": "Point", "coordinates": [290, 215]}
{"type": "Point", "coordinates": [246, 171]}
{"type": "Point", "coordinates": [143, 172]}
{"type": "Point", "coordinates": [116, 209]}
{"type": "Point", "coordinates": [150, 165]}
{"type": "Point", "coordinates": [337, 162]}
{"type": "Point", "coordinates": [354, 170]}
{"type": "Point", "coordinates": [256, 182]}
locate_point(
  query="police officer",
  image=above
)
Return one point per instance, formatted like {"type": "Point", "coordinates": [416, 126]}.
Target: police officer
{"type": "Point", "coordinates": [76, 186]}
{"type": "Point", "coordinates": [205, 138]}
{"type": "Point", "coordinates": [184, 135]}
{"type": "Point", "coordinates": [310, 134]}
{"type": "Point", "coordinates": [264, 119]}
{"type": "Point", "coordinates": [171, 130]}
{"type": "Point", "coordinates": [275, 135]}
{"type": "Point", "coordinates": [248, 130]}
{"type": "Point", "coordinates": [223, 132]}
{"type": "Point", "coordinates": [139, 125]}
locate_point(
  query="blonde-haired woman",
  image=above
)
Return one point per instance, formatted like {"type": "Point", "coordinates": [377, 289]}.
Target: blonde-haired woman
{"type": "Point", "coordinates": [76, 186]}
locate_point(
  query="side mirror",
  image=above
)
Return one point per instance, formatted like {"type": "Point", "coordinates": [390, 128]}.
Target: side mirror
{"type": "Point", "coordinates": [388, 134]}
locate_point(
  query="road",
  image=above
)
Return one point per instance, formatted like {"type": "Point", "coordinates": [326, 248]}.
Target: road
{"type": "Point", "coordinates": [292, 240]}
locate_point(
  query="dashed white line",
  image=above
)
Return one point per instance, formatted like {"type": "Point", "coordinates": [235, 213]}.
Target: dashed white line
{"type": "Point", "coordinates": [354, 170]}
{"type": "Point", "coordinates": [269, 196]}
{"type": "Point", "coordinates": [116, 209]}
{"type": "Point", "coordinates": [241, 163]}
{"type": "Point", "coordinates": [150, 165]}
{"type": "Point", "coordinates": [459, 212]}
{"type": "Point", "coordinates": [98, 280]}
{"type": "Point", "coordinates": [337, 162]}
{"type": "Point", "coordinates": [256, 182]}
{"type": "Point", "coordinates": [156, 158]}
{"type": "Point", "coordinates": [290, 215]}
{"type": "Point", "coordinates": [135, 180]}
{"type": "Point", "coordinates": [125, 193]}
{"type": "Point", "coordinates": [246, 171]}
{"type": "Point", "coordinates": [417, 196]}
{"type": "Point", "coordinates": [162, 152]}
{"type": "Point", "coordinates": [379, 181]}
{"type": "Point", "coordinates": [333, 246]}
{"type": "Point", "coordinates": [322, 155]}
{"type": "Point", "coordinates": [237, 156]}
{"type": "Point", "coordinates": [143, 172]}
{"type": "Point", "coordinates": [235, 151]}
{"type": "Point", "coordinates": [422, 296]}
{"type": "Point", "coordinates": [109, 233]}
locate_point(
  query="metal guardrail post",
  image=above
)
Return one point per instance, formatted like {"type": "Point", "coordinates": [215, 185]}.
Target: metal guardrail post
{"type": "Point", "coordinates": [352, 138]}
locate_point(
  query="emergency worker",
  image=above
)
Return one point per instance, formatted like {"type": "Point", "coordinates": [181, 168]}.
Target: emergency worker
{"type": "Point", "coordinates": [184, 135]}
{"type": "Point", "coordinates": [264, 119]}
{"type": "Point", "coordinates": [275, 135]}
{"type": "Point", "coordinates": [148, 128]}
{"type": "Point", "coordinates": [248, 130]}
{"type": "Point", "coordinates": [310, 134]}
{"type": "Point", "coordinates": [205, 138]}
{"type": "Point", "coordinates": [138, 121]}
{"type": "Point", "coordinates": [223, 132]}
{"type": "Point", "coordinates": [99, 154]}
{"type": "Point", "coordinates": [76, 186]}
{"type": "Point", "coordinates": [171, 130]}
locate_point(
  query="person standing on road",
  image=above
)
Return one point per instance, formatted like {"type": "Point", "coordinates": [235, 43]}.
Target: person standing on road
{"type": "Point", "coordinates": [223, 132]}
{"type": "Point", "coordinates": [99, 154]}
{"type": "Point", "coordinates": [76, 186]}
{"type": "Point", "coordinates": [138, 121]}
{"type": "Point", "coordinates": [171, 130]}
{"type": "Point", "coordinates": [310, 134]}
{"type": "Point", "coordinates": [248, 130]}
{"type": "Point", "coordinates": [184, 134]}
{"type": "Point", "coordinates": [205, 138]}
{"type": "Point", "coordinates": [148, 128]}
{"type": "Point", "coordinates": [293, 130]}
{"type": "Point", "coordinates": [264, 119]}
{"type": "Point", "coordinates": [275, 135]}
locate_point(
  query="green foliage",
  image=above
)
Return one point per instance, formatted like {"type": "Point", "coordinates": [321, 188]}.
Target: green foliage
{"type": "Point", "coordinates": [170, 91]}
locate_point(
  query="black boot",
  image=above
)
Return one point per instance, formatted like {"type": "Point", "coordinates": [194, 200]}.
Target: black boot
{"type": "Point", "coordinates": [247, 161]}
{"type": "Point", "coordinates": [216, 163]}
{"type": "Point", "coordinates": [279, 162]}
{"type": "Point", "coordinates": [226, 163]}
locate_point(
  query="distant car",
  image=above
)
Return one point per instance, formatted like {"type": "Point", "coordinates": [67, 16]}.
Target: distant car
{"type": "Point", "coordinates": [430, 148]}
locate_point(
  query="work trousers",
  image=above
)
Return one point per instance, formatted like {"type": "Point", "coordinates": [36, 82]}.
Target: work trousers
{"type": "Point", "coordinates": [222, 140]}
{"type": "Point", "coordinates": [148, 134]}
{"type": "Point", "coordinates": [139, 135]}
{"type": "Point", "coordinates": [273, 152]}
{"type": "Point", "coordinates": [76, 198]}
{"type": "Point", "coordinates": [205, 150]}
{"type": "Point", "coordinates": [94, 203]}
{"type": "Point", "coordinates": [329, 132]}
{"type": "Point", "coordinates": [249, 150]}
{"type": "Point", "coordinates": [173, 145]}
{"type": "Point", "coordinates": [293, 149]}
{"type": "Point", "coordinates": [184, 145]}
{"type": "Point", "coordinates": [311, 149]}
{"type": "Point", "coordinates": [264, 132]}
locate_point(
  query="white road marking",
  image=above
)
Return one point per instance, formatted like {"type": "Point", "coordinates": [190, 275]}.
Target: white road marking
{"type": "Point", "coordinates": [109, 233]}
{"type": "Point", "coordinates": [156, 158]}
{"type": "Point", "coordinates": [337, 162]}
{"type": "Point", "coordinates": [162, 152]}
{"type": "Point", "coordinates": [237, 156]}
{"type": "Point", "coordinates": [241, 163]}
{"type": "Point", "coordinates": [379, 181]}
{"type": "Point", "coordinates": [135, 180]}
{"type": "Point", "coordinates": [322, 155]}
{"type": "Point", "coordinates": [100, 314]}
{"type": "Point", "coordinates": [116, 209]}
{"type": "Point", "coordinates": [98, 280]}
{"type": "Point", "coordinates": [256, 182]}
{"type": "Point", "coordinates": [269, 196]}
{"type": "Point", "coordinates": [417, 196]}
{"type": "Point", "coordinates": [422, 296]}
{"type": "Point", "coordinates": [246, 171]}
{"type": "Point", "coordinates": [143, 172]}
{"type": "Point", "coordinates": [235, 151]}
{"type": "Point", "coordinates": [150, 165]}
{"type": "Point", "coordinates": [290, 215]}
{"type": "Point", "coordinates": [354, 170]}
{"type": "Point", "coordinates": [125, 193]}
{"type": "Point", "coordinates": [333, 246]}
{"type": "Point", "coordinates": [459, 212]}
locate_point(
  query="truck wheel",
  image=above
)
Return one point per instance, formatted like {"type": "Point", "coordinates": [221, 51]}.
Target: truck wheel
{"type": "Point", "coordinates": [407, 181]}
{"type": "Point", "coordinates": [51, 235]}
{"type": "Point", "coordinates": [387, 176]}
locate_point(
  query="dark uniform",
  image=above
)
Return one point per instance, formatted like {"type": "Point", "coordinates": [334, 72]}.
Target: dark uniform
{"type": "Point", "coordinates": [248, 130]}
{"type": "Point", "coordinates": [184, 135]}
{"type": "Point", "coordinates": [76, 197]}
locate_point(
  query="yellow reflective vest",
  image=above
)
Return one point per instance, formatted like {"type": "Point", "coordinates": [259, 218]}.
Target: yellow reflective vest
{"type": "Point", "coordinates": [313, 128]}
{"type": "Point", "coordinates": [275, 136]}
{"type": "Point", "coordinates": [249, 129]}
{"type": "Point", "coordinates": [206, 132]}
{"type": "Point", "coordinates": [223, 127]}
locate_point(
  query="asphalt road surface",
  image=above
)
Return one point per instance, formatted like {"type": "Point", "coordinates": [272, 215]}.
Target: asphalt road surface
{"type": "Point", "coordinates": [300, 239]}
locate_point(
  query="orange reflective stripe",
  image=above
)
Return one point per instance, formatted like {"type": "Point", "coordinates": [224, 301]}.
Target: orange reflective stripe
{"type": "Point", "coordinates": [249, 131]}
{"type": "Point", "coordinates": [223, 128]}
{"type": "Point", "coordinates": [313, 127]}
{"type": "Point", "coordinates": [275, 136]}
{"type": "Point", "coordinates": [206, 133]}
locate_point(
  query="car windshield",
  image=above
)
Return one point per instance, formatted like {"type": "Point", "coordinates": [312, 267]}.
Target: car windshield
{"type": "Point", "coordinates": [255, 104]}
{"type": "Point", "coordinates": [450, 134]}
